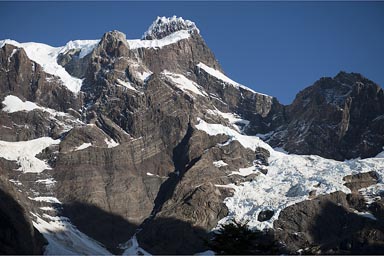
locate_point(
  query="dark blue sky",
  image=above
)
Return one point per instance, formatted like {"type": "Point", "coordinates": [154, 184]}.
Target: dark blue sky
{"type": "Point", "coordinates": [277, 48]}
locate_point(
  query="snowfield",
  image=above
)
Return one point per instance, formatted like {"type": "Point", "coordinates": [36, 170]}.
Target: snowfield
{"type": "Point", "coordinates": [184, 83]}
{"type": "Point", "coordinates": [159, 43]}
{"type": "Point", "coordinates": [24, 153]}
{"type": "Point", "coordinates": [64, 238]}
{"type": "Point", "coordinates": [225, 79]}
{"type": "Point", "coordinates": [289, 180]}
{"type": "Point", "coordinates": [14, 104]}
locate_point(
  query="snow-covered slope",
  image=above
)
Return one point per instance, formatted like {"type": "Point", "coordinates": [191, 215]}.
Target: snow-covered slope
{"type": "Point", "coordinates": [46, 56]}
{"type": "Point", "coordinates": [289, 180]}
{"type": "Point", "coordinates": [159, 43]}
{"type": "Point", "coordinates": [184, 83]}
{"type": "Point", "coordinates": [224, 78]}
{"type": "Point", "coordinates": [24, 152]}
{"type": "Point", "coordinates": [85, 46]}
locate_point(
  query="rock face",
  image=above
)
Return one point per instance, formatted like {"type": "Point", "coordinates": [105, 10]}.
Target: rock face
{"type": "Point", "coordinates": [130, 160]}
{"type": "Point", "coordinates": [338, 118]}
{"type": "Point", "coordinates": [17, 234]}
{"type": "Point", "coordinates": [329, 225]}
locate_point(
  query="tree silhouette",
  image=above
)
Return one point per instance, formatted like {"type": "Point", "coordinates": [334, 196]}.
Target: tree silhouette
{"type": "Point", "coordinates": [236, 238]}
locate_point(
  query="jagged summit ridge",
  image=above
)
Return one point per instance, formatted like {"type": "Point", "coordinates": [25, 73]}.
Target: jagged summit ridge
{"type": "Point", "coordinates": [164, 26]}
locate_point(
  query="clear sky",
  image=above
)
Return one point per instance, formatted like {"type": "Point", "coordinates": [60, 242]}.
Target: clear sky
{"type": "Point", "coordinates": [277, 48]}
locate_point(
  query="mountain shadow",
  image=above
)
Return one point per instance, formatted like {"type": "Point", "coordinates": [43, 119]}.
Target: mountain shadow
{"type": "Point", "coordinates": [107, 228]}
{"type": "Point", "coordinates": [17, 234]}
{"type": "Point", "coordinates": [338, 231]}
{"type": "Point", "coordinates": [170, 236]}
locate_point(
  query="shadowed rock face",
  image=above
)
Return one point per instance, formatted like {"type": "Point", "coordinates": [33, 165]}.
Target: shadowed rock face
{"type": "Point", "coordinates": [329, 225]}
{"type": "Point", "coordinates": [17, 234]}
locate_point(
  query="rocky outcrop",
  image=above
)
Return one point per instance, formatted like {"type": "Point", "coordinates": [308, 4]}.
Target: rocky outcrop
{"type": "Point", "coordinates": [330, 224]}
{"type": "Point", "coordinates": [163, 27]}
{"type": "Point", "coordinates": [361, 180]}
{"type": "Point", "coordinates": [338, 118]}
{"type": "Point", "coordinates": [26, 79]}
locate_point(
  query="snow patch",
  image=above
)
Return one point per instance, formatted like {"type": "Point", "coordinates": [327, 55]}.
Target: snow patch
{"type": "Point", "coordinates": [83, 146]}
{"type": "Point", "coordinates": [237, 122]}
{"type": "Point", "coordinates": [245, 171]}
{"type": "Point", "coordinates": [24, 153]}
{"type": "Point", "coordinates": [143, 75]}
{"type": "Point", "coordinates": [220, 163]}
{"type": "Point", "coordinates": [14, 104]}
{"type": "Point", "coordinates": [251, 142]}
{"type": "Point", "coordinates": [132, 248]}
{"type": "Point", "coordinates": [85, 47]}
{"type": "Point", "coordinates": [184, 83]}
{"type": "Point", "coordinates": [126, 84]}
{"type": "Point", "coordinates": [224, 78]}
{"type": "Point", "coordinates": [65, 239]}
{"type": "Point", "coordinates": [47, 182]}
{"type": "Point", "coordinates": [48, 199]}
{"type": "Point", "coordinates": [366, 215]}
{"type": "Point", "coordinates": [159, 43]}
{"type": "Point", "coordinates": [111, 143]}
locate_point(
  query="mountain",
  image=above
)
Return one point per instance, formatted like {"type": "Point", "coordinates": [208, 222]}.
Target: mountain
{"type": "Point", "coordinates": [145, 146]}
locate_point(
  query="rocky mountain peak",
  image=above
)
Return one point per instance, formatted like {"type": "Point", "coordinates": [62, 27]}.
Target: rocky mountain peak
{"type": "Point", "coordinates": [114, 43]}
{"type": "Point", "coordinates": [164, 26]}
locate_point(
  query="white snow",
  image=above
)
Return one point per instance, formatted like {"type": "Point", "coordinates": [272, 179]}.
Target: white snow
{"type": "Point", "coordinates": [47, 182]}
{"type": "Point", "coordinates": [220, 163]}
{"type": "Point", "coordinates": [83, 146]}
{"type": "Point", "coordinates": [9, 41]}
{"type": "Point", "coordinates": [24, 153]}
{"type": "Point", "coordinates": [163, 24]}
{"type": "Point", "coordinates": [237, 122]}
{"type": "Point", "coordinates": [13, 53]}
{"type": "Point", "coordinates": [46, 56]}
{"type": "Point", "coordinates": [65, 239]}
{"type": "Point", "coordinates": [85, 47]}
{"type": "Point", "coordinates": [132, 248]}
{"type": "Point", "coordinates": [184, 83]}
{"type": "Point", "coordinates": [48, 199]}
{"type": "Point", "coordinates": [14, 104]}
{"type": "Point", "coordinates": [224, 78]}
{"type": "Point", "coordinates": [143, 75]}
{"type": "Point", "coordinates": [47, 208]}
{"type": "Point", "coordinates": [289, 180]}
{"type": "Point", "coordinates": [111, 143]}
{"type": "Point", "coordinates": [125, 84]}
{"type": "Point", "coordinates": [16, 182]}
{"type": "Point", "coordinates": [366, 215]}
{"type": "Point", "coordinates": [159, 43]}
{"type": "Point", "coordinates": [245, 171]}
{"type": "Point", "coordinates": [251, 142]}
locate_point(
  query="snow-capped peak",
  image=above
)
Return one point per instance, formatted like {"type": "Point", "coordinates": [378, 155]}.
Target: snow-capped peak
{"type": "Point", "coordinates": [85, 46]}
{"type": "Point", "coordinates": [164, 26]}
